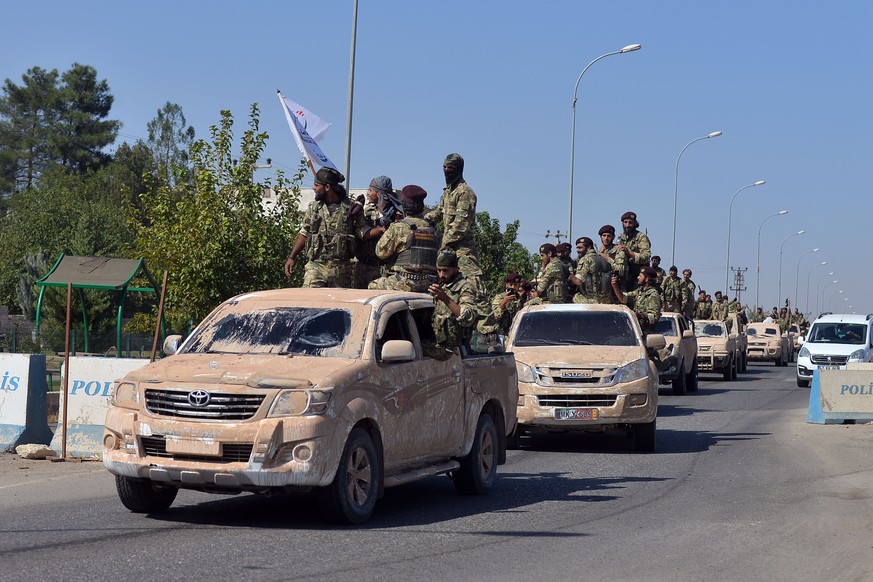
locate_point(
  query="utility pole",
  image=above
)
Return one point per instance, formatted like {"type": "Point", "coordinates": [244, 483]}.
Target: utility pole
{"type": "Point", "coordinates": [557, 235]}
{"type": "Point", "coordinates": [739, 282]}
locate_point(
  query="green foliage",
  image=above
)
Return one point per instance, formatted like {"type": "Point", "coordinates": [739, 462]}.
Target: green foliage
{"type": "Point", "coordinates": [213, 234]}
{"type": "Point", "coordinates": [499, 251]}
{"type": "Point", "coordinates": [169, 140]}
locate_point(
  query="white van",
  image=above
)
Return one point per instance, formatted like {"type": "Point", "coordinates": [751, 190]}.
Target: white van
{"type": "Point", "coordinates": [834, 340]}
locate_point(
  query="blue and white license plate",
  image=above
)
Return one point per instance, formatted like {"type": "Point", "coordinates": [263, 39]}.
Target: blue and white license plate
{"type": "Point", "coordinates": [576, 414]}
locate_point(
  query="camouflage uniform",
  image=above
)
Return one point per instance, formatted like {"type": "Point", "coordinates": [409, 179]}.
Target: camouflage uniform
{"type": "Point", "coordinates": [720, 310]}
{"type": "Point", "coordinates": [646, 304]}
{"type": "Point", "coordinates": [587, 271]}
{"type": "Point", "coordinates": [672, 294]}
{"type": "Point", "coordinates": [452, 332]}
{"type": "Point", "coordinates": [398, 238]}
{"type": "Point", "coordinates": [332, 232]}
{"type": "Point", "coordinates": [457, 211]}
{"type": "Point", "coordinates": [552, 282]}
{"type": "Point", "coordinates": [702, 310]}
{"type": "Point", "coordinates": [641, 246]}
{"type": "Point", "coordinates": [618, 258]}
{"type": "Point", "coordinates": [758, 316]}
{"type": "Point", "coordinates": [688, 303]}
{"type": "Point", "coordinates": [367, 267]}
{"type": "Point", "coordinates": [500, 319]}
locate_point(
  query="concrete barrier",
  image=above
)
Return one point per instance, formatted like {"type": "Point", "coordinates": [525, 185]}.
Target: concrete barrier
{"type": "Point", "coordinates": [22, 401]}
{"type": "Point", "coordinates": [90, 387]}
{"type": "Point", "coordinates": [839, 395]}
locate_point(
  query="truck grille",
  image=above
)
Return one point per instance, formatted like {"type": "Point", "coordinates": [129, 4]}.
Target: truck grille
{"type": "Point", "coordinates": [220, 406]}
{"type": "Point", "coordinates": [574, 400]}
{"type": "Point", "coordinates": [156, 446]}
{"type": "Point", "coordinates": [829, 360]}
{"type": "Point", "coordinates": [567, 377]}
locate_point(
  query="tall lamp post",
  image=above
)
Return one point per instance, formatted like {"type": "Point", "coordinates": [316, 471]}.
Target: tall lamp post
{"type": "Point", "coordinates": [676, 189]}
{"type": "Point", "coordinates": [779, 292]}
{"type": "Point", "coordinates": [628, 49]}
{"type": "Point", "coordinates": [797, 274]}
{"type": "Point", "coordinates": [758, 259]}
{"type": "Point", "coordinates": [727, 263]}
{"type": "Point", "coordinates": [820, 308]}
{"type": "Point", "coordinates": [806, 308]}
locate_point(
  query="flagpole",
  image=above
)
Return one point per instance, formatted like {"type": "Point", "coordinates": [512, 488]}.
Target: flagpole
{"type": "Point", "coordinates": [351, 98]}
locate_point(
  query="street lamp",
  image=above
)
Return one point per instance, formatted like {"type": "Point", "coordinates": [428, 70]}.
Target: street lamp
{"type": "Point", "coordinates": [758, 259]}
{"type": "Point", "coordinates": [806, 309]}
{"type": "Point", "coordinates": [797, 274]}
{"type": "Point", "coordinates": [628, 49]}
{"type": "Point", "coordinates": [833, 294]}
{"type": "Point", "coordinates": [818, 287]}
{"type": "Point", "coordinates": [821, 296]}
{"type": "Point", "coordinates": [779, 292]}
{"type": "Point", "coordinates": [676, 189]}
{"type": "Point", "coordinates": [727, 263]}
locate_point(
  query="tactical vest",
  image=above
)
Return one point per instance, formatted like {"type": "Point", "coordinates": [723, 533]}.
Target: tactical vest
{"type": "Point", "coordinates": [422, 247]}
{"type": "Point", "coordinates": [331, 235]}
{"type": "Point", "coordinates": [601, 280]}
{"type": "Point", "coordinates": [557, 292]}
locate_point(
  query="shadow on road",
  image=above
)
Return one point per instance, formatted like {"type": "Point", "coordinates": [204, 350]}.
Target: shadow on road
{"type": "Point", "coordinates": [691, 441]}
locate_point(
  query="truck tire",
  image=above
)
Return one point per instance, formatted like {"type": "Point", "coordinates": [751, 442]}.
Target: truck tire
{"type": "Point", "coordinates": [735, 368]}
{"type": "Point", "coordinates": [778, 361]}
{"type": "Point", "coordinates": [745, 363]}
{"type": "Point", "coordinates": [478, 471]}
{"type": "Point", "coordinates": [692, 382]}
{"type": "Point", "coordinates": [644, 437]}
{"type": "Point", "coordinates": [141, 497]}
{"type": "Point", "coordinates": [803, 383]}
{"type": "Point", "coordinates": [513, 441]}
{"type": "Point", "coordinates": [351, 498]}
{"type": "Point", "coordinates": [680, 386]}
{"type": "Point", "coordinates": [727, 372]}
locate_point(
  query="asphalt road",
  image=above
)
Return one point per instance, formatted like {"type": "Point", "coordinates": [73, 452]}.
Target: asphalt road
{"type": "Point", "coordinates": [741, 488]}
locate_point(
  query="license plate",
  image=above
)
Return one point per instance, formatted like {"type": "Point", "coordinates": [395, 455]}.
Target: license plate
{"type": "Point", "coordinates": [830, 367]}
{"type": "Point", "coordinates": [193, 447]}
{"type": "Point", "coordinates": [576, 414]}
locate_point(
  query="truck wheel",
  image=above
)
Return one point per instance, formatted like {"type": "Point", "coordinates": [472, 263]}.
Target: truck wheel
{"type": "Point", "coordinates": [778, 361]}
{"type": "Point", "coordinates": [735, 368]}
{"type": "Point", "coordinates": [141, 497]}
{"type": "Point", "coordinates": [478, 471]}
{"type": "Point", "coordinates": [692, 381]}
{"type": "Point", "coordinates": [513, 441]}
{"type": "Point", "coordinates": [728, 371]}
{"type": "Point", "coordinates": [803, 383]}
{"type": "Point", "coordinates": [351, 498]}
{"type": "Point", "coordinates": [745, 361]}
{"type": "Point", "coordinates": [679, 383]}
{"type": "Point", "coordinates": [644, 437]}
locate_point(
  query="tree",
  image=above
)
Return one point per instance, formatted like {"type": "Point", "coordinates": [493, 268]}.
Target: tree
{"type": "Point", "coordinates": [169, 139]}
{"type": "Point", "coordinates": [53, 119]}
{"type": "Point", "coordinates": [499, 252]}
{"type": "Point", "coordinates": [213, 234]}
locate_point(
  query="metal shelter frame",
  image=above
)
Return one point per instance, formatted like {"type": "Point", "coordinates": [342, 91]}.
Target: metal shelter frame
{"type": "Point", "coordinates": [97, 273]}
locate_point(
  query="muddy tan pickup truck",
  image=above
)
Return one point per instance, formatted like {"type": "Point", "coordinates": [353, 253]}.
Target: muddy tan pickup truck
{"type": "Point", "coordinates": [585, 367]}
{"type": "Point", "coordinates": [767, 342]}
{"type": "Point", "coordinates": [678, 366]}
{"type": "Point", "coordinates": [716, 348]}
{"type": "Point", "coordinates": [333, 391]}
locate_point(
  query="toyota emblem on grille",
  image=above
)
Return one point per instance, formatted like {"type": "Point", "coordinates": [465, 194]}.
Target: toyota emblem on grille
{"type": "Point", "coordinates": [199, 398]}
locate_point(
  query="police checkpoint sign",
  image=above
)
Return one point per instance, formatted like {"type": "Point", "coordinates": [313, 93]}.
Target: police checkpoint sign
{"type": "Point", "coordinates": [842, 394]}
{"type": "Point", "coordinates": [90, 388]}
{"type": "Point", "coordinates": [22, 400]}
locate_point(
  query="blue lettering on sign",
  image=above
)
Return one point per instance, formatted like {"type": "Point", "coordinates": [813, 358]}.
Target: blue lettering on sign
{"type": "Point", "coordinates": [92, 388]}
{"type": "Point", "coordinates": [9, 383]}
{"type": "Point", "coordinates": [857, 389]}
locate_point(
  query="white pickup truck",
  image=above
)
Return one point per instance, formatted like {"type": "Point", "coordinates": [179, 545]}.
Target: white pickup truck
{"type": "Point", "coordinates": [336, 391]}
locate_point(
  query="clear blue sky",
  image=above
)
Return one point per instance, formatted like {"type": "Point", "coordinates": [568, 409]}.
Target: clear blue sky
{"type": "Point", "coordinates": [788, 82]}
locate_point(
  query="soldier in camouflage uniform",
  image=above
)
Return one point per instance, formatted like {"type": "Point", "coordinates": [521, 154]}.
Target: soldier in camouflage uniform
{"type": "Point", "coordinates": [644, 301]}
{"type": "Point", "coordinates": [553, 276]}
{"type": "Point", "coordinates": [758, 316]}
{"type": "Point", "coordinates": [332, 226]}
{"type": "Point", "coordinates": [455, 312]}
{"type": "Point", "coordinates": [564, 251]}
{"type": "Point", "coordinates": [656, 264]}
{"type": "Point", "coordinates": [505, 305]}
{"type": "Point", "coordinates": [672, 292]}
{"type": "Point", "coordinates": [617, 257]}
{"type": "Point", "coordinates": [590, 267]}
{"type": "Point", "coordinates": [636, 246]}
{"type": "Point", "coordinates": [720, 307]}
{"type": "Point", "coordinates": [702, 308]}
{"type": "Point", "coordinates": [410, 246]}
{"type": "Point", "coordinates": [380, 210]}
{"type": "Point", "coordinates": [688, 289]}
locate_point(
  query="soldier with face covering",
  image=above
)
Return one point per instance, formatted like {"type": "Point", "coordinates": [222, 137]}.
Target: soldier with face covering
{"type": "Point", "coordinates": [380, 211]}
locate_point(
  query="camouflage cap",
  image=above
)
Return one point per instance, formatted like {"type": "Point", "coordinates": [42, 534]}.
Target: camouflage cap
{"type": "Point", "coordinates": [454, 160]}
{"type": "Point", "coordinates": [330, 176]}
{"type": "Point", "coordinates": [447, 258]}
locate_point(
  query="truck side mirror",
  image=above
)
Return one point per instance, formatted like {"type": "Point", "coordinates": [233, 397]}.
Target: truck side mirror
{"type": "Point", "coordinates": [656, 341]}
{"type": "Point", "coordinates": [687, 334]}
{"type": "Point", "coordinates": [171, 344]}
{"type": "Point", "coordinates": [398, 351]}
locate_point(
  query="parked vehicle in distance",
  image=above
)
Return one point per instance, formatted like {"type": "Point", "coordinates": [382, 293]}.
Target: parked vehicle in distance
{"type": "Point", "coordinates": [340, 392]}
{"type": "Point", "coordinates": [585, 367]}
{"type": "Point", "coordinates": [716, 348]}
{"type": "Point", "coordinates": [767, 342]}
{"type": "Point", "coordinates": [678, 367]}
{"type": "Point", "coordinates": [834, 340]}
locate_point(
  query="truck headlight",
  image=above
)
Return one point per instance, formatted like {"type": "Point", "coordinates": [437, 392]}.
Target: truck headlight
{"type": "Point", "coordinates": [125, 395]}
{"type": "Point", "coordinates": [803, 353]}
{"type": "Point", "coordinates": [633, 371]}
{"type": "Point", "coordinates": [525, 373]}
{"type": "Point", "coordinates": [858, 356]}
{"type": "Point", "coordinates": [300, 403]}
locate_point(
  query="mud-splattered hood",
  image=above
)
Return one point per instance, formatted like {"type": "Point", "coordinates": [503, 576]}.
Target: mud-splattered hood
{"type": "Point", "coordinates": [578, 355]}
{"type": "Point", "coordinates": [250, 370]}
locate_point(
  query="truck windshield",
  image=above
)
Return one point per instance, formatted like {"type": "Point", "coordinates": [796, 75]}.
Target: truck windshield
{"type": "Point", "coordinates": [666, 326]}
{"type": "Point", "coordinates": [276, 330]}
{"type": "Point", "coordinates": [557, 328]}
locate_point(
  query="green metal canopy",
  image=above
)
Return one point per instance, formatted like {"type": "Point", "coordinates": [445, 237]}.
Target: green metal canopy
{"type": "Point", "coordinates": [96, 273]}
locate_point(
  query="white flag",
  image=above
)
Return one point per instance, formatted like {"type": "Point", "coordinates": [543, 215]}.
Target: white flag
{"type": "Point", "coordinates": [307, 145]}
{"type": "Point", "coordinates": [311, 123]}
